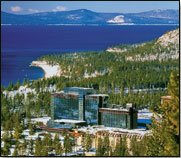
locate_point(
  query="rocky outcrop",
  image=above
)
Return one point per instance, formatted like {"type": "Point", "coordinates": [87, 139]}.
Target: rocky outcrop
{"type": "Point", "coordinates": [166, 47]}
{"type": "Point", "coordinates": [170, 38]}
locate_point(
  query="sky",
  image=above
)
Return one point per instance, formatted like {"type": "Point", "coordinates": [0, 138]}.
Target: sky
{"type": "Point", "coordinates": [28, 7]}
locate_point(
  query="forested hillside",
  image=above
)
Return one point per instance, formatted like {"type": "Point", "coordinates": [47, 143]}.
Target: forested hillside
{"type": "Point", "coordinates": [134, 72]}
{"type": "Point", "coordinates": [142, 82]}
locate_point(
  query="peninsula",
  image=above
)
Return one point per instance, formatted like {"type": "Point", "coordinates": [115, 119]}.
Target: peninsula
{"type": "Point", "coordinates": [49, 70]}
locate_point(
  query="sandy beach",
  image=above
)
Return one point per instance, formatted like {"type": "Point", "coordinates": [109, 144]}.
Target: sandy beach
{"type": "Point", "coordinates": [49, 70]}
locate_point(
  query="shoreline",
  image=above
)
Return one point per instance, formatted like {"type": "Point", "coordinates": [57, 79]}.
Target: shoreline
{"type": "Point", "coordinates": [49, 70]}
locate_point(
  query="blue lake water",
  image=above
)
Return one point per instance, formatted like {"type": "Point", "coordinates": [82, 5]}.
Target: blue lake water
{"type": "Point", "coordinates": [22, 44]}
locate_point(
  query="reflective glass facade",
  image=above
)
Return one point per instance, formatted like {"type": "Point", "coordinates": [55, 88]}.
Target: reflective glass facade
{"type": "Point", "coordinates": [119, 119]}
{"type": "Point", "coordinates": [76, 103]}
{"type": "Point", "coordinates": [65, 106]}
{"type": "Point", "coordinates": [92, 104]}
{"type": "Point", "coordinates": [81, 92]}
{"type": "Point", "coordinates": [110, 119]}
{"type": "Point", "coordinates": [70, 103]}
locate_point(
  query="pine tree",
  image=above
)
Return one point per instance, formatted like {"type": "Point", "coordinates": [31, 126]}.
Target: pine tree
{"type": "Point", "coordinates": [47, 142]}
{"type": "Point", "coordinates": [22, 148]}
{"type": "Point", "coordinates": [58, 149]}
{"type": "Point", "coordinates": [67, 144]}
{"type": "Point", "coordinates": [31, 128]}
{"type": "Point", "coordinates": [88, 142]}
{"type": "Point", "coordinates": [165, 129]}
{"type": "Point", "coordinates": [18, 129]}
{"type": "Point", "coordinates": [17, 133]}
{"type": "Point", "coordinates": [6, 137]}
{"type": "Point", "coordinates": [38, 147]}
{"type": "Point", "coordinates": [57, 145]}
{"type": "Point", "coordinates": [44, 151]}
{"type": "Point", "coordinates": [99, 151]}
{"type": "Point", "coordinates": [15, 153]}
{"type": "Point", "coordinates": [106, 145]}
{"type": "Point", "coordinates": [6, 149]}
{"type": "Point", "coordinates": [121, 148]}
{"type": "Point", "coordinates": [31, 143]}
{"type": "Point", "coordinates": [173, 113]}
{"type": "Point", "coordinates": [138, 147]}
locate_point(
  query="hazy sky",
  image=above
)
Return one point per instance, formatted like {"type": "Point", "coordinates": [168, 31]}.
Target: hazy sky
{"type": "Point", "coordinates": [27, 7]}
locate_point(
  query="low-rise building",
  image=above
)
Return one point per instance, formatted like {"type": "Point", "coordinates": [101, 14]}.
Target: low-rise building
{"type": "Point", "coordinates": [112, 133]}
{"type": "Point", "coordinates": [119, 117]}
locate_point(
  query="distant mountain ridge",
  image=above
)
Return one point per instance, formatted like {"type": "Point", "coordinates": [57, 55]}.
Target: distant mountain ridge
{"type": "Point", "coordinates": [87, 17]}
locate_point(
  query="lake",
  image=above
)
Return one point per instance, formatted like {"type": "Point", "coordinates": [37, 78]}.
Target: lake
{"type": "Point", "coordinates": [22, 44]}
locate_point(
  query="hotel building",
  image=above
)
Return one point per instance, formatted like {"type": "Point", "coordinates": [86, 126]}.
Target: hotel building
{"type": "Point", "coordinates": [77, 106]}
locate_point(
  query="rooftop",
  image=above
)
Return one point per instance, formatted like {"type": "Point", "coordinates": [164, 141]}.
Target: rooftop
{"type": "Point", "coordinates": [94, 130]}
{"type": "Point", "coordinates": [97, 95]}
{"type": "Point", "coordinates": [114, 109]}
{"type": "Point", "coordinates": [71, 93]}
{"type": "Point", "coordinates": [61, 93]}
{"type": "Point", "coordinates": [41, 119]}
{"type": "Point", "coordinates": [68, 121]}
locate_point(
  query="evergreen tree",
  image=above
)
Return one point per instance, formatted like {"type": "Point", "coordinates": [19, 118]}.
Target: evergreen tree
{"type": "Point", "coordinates": [173, 112]}
{"type": "Point", "coordinates": [44, 151]}
{"type": "Point", "coordinates": [138, 147]}
{"type": "Point", "coordinates": [57, 145]}
{"type": "Point", "coordinates": [22, 148]}
{"type": "Point", "coordinates": [15, 153]}
{"type": "Point", "coordinates": [47, 142]}
{"type": "Point", "coordinates": [17, 133]}
{"type": "Point", "coordinates": [38, 147]}
{"type": "Point", "coordinates": [88, 142]}
{"type": "Point", "coordinates": [165, 129]}
{"type": "Point", "coordinates": [31, 128]}
{"type": "Point", "coordinates": [18, 129]}
{"type": "Point", "coordinates": [121, 148]}
{"type": "Point", "coordinates": [31, 143]}
{"type": "Point", "coordinates": [67, 144]}
{"type": "Point", "coordinates": [58, 148]}
{"type": "Point", "coordinates": [6, 149]}
{"type": "Point", "coordinates": [6, 137]}
{"type": "Point", "coordinates": [100, 150]}
{"type": "Point", "coordinates": [106, 145]}
{"type": "Point", "coordinates": [56, 140]}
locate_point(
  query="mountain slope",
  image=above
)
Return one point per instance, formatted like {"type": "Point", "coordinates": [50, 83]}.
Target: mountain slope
{"type": "Point", "coordinates": [84, 17]}
{"type": "Point", "coordinates": [164, 48]}
{"type": "Point", "coordinates": [170, 38]}
{"type": "Point", "coordinates": [115, 63]}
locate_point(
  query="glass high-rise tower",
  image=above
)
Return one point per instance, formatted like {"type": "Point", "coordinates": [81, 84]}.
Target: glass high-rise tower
{"type": "Point", "coordinates": [92, 103]}
{"type": "Point", "coordinates": [78, 105]}
{"type": "Point", "coordinates": [70, 103]}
